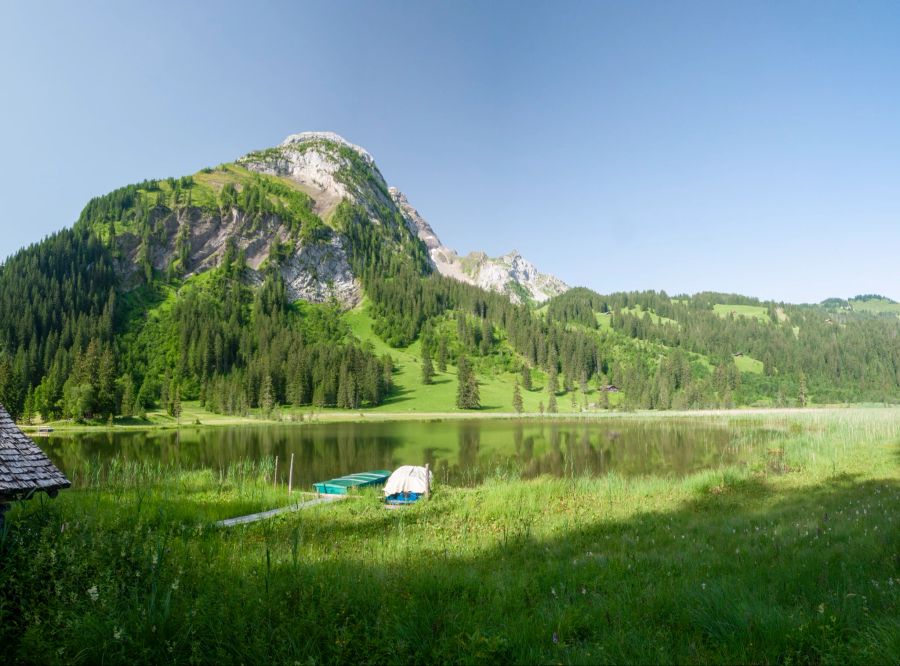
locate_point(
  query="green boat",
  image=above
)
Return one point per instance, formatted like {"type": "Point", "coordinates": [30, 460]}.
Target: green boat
{"type": "Point", "coordinates": [341, 485]}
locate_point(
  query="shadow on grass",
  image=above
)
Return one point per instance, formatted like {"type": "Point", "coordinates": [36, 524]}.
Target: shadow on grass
{"type": "Point", "coordinates": [740, 573]}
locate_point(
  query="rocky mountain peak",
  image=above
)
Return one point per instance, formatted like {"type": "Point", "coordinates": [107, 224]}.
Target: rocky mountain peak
{"type": "Point", "coordinates": [416, 223]}
{"type": "Point", "coordinates": [317, 166]}
{"type": "Point", "coordinates": [312, 137]}
{"type": "Point", "coordinates": [510, 274]}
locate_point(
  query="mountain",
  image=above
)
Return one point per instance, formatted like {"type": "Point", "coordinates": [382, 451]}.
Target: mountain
{"type": "Point", "coordinates": [296, 276]}
{"type": "Point", "coordinates": [313, 172]}
{"type": "Point", "coordinates": [511, 274]}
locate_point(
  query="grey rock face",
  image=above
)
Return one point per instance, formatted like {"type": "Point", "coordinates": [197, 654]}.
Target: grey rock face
{"type": "Point", "coordinates": [510, 274]}
{"type": "Point", "coordinates": [316, 272]}
{"type": "Point", "coordinates": [320, 272]}
{"type": "Point", "coordinates": [314, 162]}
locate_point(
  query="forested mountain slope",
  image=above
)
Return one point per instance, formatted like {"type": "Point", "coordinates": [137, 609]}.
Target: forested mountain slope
{"type": "Point", "coordinates": [296, 276]}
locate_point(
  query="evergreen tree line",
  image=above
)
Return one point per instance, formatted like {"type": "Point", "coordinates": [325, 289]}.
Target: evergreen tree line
{"type": "Point", "coordinates": [57, 321]}
{"type": "Point", "coordinates": [841, 357]}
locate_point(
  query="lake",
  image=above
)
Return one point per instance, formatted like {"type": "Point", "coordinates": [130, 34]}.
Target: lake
{"type": "Point", "coordinates": [461, 452]}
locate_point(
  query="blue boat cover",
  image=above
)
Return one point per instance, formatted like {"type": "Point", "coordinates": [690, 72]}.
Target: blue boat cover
{"type": "Point", "coordinates": [402, 498]}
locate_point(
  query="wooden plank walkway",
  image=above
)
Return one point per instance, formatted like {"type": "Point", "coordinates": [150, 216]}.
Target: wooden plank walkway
{"type": "Point", "coordinates": [253, 517]}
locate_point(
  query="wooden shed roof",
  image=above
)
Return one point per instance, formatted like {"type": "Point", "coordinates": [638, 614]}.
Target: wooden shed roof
{"type": "Point", "coordinates": [23, 466]}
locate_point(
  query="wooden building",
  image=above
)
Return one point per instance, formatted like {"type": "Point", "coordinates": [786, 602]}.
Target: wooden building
{"type": "Point", "coordinates": [24, 469]}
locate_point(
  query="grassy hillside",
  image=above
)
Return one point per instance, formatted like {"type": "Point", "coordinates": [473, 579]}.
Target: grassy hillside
{"type": "Point", "coordinates": [875, 305]}
{"type": "Point", "coordinates": [496, 385]}
{"type": "Point", "coordinates": [757, 311]}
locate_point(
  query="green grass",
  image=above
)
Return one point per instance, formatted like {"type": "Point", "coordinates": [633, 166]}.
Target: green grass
{"type": "Point", "coordinates": [411, 395]}
{"type": "Point", "coordinates": [757, 311]}
{"type": "Point", "coordinates": [604, 320]}
{"type": "Point", "coordinates": [749, 364]}
{"type": "Point", "coordinates": [876, 306]}
{"type": "Point", "coordinates": [655, 318]}
{"type": "Point", "coordinates": [791, 559]}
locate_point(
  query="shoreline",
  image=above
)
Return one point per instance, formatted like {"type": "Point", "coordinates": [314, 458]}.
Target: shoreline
{"type": "Point", "coordinates": [323, 418]}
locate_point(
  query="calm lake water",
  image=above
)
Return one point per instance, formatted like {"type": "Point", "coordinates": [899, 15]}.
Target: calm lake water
{"type": "Point", "coordinates": [460, 452]}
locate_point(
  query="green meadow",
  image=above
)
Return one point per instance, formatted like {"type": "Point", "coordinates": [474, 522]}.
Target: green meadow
{"type": "Point", "coordinates": [876, 305]}
{"type": "Point", "coordinates": [790, 557]}
{"type": "Point", "coordinates": [726, 309]}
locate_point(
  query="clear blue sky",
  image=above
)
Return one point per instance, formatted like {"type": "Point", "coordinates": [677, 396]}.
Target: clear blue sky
{"type": "Point", "coordinates": [748, 147]}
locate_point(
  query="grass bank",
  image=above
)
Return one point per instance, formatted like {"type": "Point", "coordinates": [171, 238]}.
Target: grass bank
{"type": "Point", "coordinates": [790, 559]}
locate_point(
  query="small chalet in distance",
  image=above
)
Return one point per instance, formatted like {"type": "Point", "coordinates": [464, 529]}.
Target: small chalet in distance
{"type": "Point", "coordinates": [24, 468]}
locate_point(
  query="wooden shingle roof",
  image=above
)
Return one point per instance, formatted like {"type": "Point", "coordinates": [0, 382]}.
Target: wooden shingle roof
{"type": "Point", "coordinates": [24, 468]}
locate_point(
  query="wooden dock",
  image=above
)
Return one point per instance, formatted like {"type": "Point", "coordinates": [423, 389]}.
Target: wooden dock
{"type": "Point", "coordinates": [299, 506]}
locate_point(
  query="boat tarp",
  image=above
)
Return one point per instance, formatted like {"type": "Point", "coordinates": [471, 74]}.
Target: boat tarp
{"type": "Point", "coordinates": [408, 479]}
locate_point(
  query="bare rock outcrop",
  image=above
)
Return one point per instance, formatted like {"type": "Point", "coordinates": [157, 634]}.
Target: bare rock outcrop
{"type": "Point", "coordinates": [316, 272]}
{"type": "Point", "coordinates": [510, 274]}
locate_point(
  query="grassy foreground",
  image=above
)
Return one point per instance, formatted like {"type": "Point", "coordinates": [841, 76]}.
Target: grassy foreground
{"type": "Point", "coordinates": [791, 559]}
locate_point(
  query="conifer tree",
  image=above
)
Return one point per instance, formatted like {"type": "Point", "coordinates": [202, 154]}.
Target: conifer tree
{"type": "Point", "coordinates": [526, 377]}
{"type": "Point", "coordinates": [487, 337]}
{"type": "Point", "coordinates": [128, 396]}
{"type": "Point", "coordinates": [106, 384]}
{"type": "Point", "coordinates": [28, 408]}
{"type": "Point", "coordinates": [802, 395]}
{"type": "Point", "coordinates": [427, 368]}
{"type": "Point", "coordinates": [553, 381]}
{"type": "Point", "coordinates": [517, 399]}
{"type": "Point", "coordinates": [176, 405]}
{"type": "Point", "coordinates": [442, 354]}
{"type": "Point", "coordinates": [467, 394]}
{"type": "Point", "coordinates": [267, 395]}
{"type": "Point", "coordinates": [474, 394]}
{"type": "Point", "coordinates": [551, 404]}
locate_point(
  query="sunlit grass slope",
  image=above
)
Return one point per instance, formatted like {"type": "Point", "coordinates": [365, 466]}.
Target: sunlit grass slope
{"type": "Point", "coordinates": [496, 387]}
{"type": "Point", "coordinates": [757, 311]}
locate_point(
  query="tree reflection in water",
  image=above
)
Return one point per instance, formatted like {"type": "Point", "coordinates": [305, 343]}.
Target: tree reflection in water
{"type": "Point", "coordinates": [460, 452]}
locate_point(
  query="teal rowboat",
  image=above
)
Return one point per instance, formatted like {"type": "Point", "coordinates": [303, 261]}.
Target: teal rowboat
{"type": "Point", "coordinates": [341, 485]}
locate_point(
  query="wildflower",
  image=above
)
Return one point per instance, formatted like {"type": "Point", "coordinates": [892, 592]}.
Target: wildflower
{"type": "Point", "coordinates": [93, 593]}
{"type": "Point", "coordinates": [555, 637]}
{"type": "Point", "coordinates": [703, 585]}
